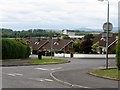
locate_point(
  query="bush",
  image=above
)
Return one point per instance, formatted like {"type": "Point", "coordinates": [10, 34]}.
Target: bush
{"type": "Point", "coordinates": [86, 46]}
{"type": "Point", "coordinates": [67, 52]}
{"type": "Point", "coordinates": [35, 52]}
{"type": "Point", "coordinates": [114, 51]}
{"type": "Point", "coordinates": [95, 48]}
{"type": "Point", "coordinates": [118, 51]}
{"type": "Point", "coordinates": [50, 53]}
{"type": "Point", "coordinates": [60, 51]}
{"type": "Point", "coordinates": [13, 49]}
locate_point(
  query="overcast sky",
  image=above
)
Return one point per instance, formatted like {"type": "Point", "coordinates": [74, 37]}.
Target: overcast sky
{"type": "Point", "coordinates": [56, 14]}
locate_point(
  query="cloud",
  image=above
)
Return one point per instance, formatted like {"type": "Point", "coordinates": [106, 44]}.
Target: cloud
{"type": "Point", "coordinates": [56, 13]}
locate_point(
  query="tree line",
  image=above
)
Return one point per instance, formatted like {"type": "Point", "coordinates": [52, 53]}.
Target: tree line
{"type": "Point", "coordinates": [9, 33]}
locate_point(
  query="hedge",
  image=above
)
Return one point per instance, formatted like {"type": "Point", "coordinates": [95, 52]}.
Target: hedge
{"type": "Point", "coordinates": [14, 49]}
{"type": "Point", "coordinates": [118, 51]}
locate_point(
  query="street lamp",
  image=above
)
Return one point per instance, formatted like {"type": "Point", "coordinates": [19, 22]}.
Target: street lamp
{"type": "Point", "coordinates": [51, 47]}
{"type": "Point", "coordinates": [107, 28]}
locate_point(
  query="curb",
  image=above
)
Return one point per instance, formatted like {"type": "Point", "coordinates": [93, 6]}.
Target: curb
{"type": "Point", "coordinates": [32, 64]}
{"type": "Point", "coordinates": [67, 83]}
{"type": "Point", "coordinates": [105, 77]}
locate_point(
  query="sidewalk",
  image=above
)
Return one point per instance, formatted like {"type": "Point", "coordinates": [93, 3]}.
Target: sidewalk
{"type": "Point", "coordinates": [17, 62]}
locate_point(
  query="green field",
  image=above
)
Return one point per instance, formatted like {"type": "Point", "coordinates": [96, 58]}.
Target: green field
{"type": "Point", "coordinates": [47, 61]}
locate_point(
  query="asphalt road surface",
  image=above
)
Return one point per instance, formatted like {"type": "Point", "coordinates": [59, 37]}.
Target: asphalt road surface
{"type": "Point", "coordinates": [39, 76]}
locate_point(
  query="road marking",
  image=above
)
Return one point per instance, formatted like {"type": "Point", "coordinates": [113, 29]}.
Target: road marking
{"type": "Point", "coordinates": [49, 80]}
{"type": "Point", "coordinates": [11, 74]}
{"type": "Point", "coordinates": [67, 83]}
{"type": "Point", "coordinates": [14, 74]}
{"type": "Point", "coordinates": [45, 69]}
{"type": "Point", "coordinates": [41, 79]}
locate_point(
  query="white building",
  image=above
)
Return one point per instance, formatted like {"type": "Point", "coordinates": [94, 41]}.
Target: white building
{"type": "Point", "coordinates": [71, 34]}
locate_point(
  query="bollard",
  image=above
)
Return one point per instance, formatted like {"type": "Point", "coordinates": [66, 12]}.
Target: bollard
{"type": "Point", "coordinates": [39, 54]}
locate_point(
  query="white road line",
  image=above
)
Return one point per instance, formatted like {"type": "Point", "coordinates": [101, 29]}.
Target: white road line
{"type": "Point", "coordinates": [14, 74]}
{"type": "Point", "coordinates": [44, 69]}
{"type": "Point", "coordinates": [11, 74]}
{"type": "Point", "coordinates": [49, 80]}
{"type": "Point", "coordinates": [41, 79]}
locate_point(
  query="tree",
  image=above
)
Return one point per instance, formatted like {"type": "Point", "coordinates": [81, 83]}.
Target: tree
{"type": "Point", "coordinates": [86, 46]}
{"type": "Point", "coordinates": [89, 37]}
{"type": "Point", "coordinates": [118, 51]}
{"type": "Point", "coordinates": [95, 47]}
{"type": "Point", "coordinates": [66, 37]}
{"type": "Point", "coordinates": [76, 46]}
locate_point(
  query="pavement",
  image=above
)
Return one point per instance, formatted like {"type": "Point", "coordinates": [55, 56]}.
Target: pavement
{"type": "Point", "coordinates": [17, 62]}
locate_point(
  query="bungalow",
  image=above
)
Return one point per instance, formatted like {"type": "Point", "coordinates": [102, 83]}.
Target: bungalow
{"type": "Point", "coordinates": [51, 44]}
{"type": "Point", "coordinates": [102, 42]}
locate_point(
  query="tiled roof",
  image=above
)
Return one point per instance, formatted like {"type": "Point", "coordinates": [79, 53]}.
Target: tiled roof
{"type": "Point", "coordinates": [102, 42]}
{"type": "Point", "coordinates": [55, 44]}
{"type": "Point", "coordinates": [35, 43]}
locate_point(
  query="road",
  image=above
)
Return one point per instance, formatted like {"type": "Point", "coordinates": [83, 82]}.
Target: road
{"type": "Point", "coordinates": [39, 76]}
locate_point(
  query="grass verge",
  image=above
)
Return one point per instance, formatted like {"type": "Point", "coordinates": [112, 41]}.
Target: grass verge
{"type": "Point", "coordinates": [47, 61]}
{"type": "Point", "coordinates": [109, 73]}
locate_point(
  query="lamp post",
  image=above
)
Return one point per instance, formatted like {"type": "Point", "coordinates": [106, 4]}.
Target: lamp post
{"type": "Point", "coordinates": [51, 48]}
{"type": "Point", "coordinates": [107, 28]}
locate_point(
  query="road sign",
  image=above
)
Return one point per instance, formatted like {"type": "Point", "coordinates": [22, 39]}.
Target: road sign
{"type": "Point", "coordinates": [105, 26]}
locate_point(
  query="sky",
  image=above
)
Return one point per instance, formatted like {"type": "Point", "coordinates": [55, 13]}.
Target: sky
{"type": "Point", "coordinates": [56, 14]}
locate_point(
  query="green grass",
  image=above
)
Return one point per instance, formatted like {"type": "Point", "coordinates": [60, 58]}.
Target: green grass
{"type": "Point", "coordinates": [47, 61]}
{"type": "Point", "coordinates": [110, 73]}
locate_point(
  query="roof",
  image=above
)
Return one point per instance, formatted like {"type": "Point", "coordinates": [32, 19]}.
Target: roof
{"type": "Point", "coordinates": [35, 43]}
{"type": "Point", "coordinates": [102, 41]}
{"type": "Point", "coordinates": [55, 44]}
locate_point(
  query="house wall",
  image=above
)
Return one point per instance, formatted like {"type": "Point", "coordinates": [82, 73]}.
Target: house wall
{"type": "Point", "coordinates": [85, 55]}
{"type": "Point", "coordinates": [62, 55]}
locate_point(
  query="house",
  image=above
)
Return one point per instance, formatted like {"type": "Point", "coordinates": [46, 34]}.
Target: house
{"type": "Point", "coordinates": [113, 37]}
{"type": "Point", "coordinates": [35, 43]}
{"type": "Point", "coordinates": [54, 44]}
{"type": "Point", "coordinates": [57, 45]}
